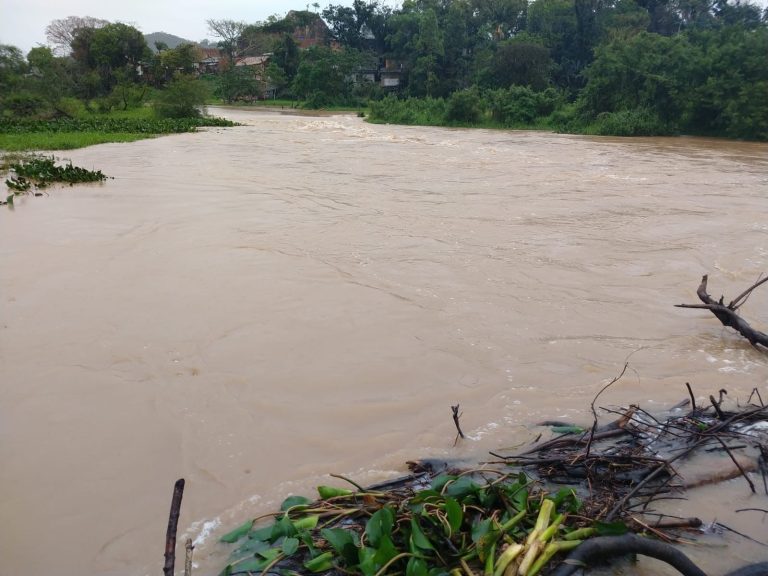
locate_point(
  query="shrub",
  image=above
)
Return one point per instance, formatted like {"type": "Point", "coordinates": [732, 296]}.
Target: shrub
{"type": "Point", "coordinates": [184, 98]}
{"type": "Point", "coordinates": [637, 122]}
{"type": "Point", "coordinates": [24, 104]}
{"type": "Point", "coordinates": [464, 106]}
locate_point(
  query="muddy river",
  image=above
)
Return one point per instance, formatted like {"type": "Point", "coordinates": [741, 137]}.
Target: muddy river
{"type": "Point", "coordinates": [255, 308]}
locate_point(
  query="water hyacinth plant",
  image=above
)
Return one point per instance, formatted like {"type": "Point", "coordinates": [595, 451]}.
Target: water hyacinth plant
{"type": "Point", "coordinates": [457, 524]}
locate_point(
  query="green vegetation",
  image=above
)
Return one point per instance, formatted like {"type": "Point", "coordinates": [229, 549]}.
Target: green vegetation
{"type": "Point", "coordinates": [625, 67]}
{"type": "Point", "coordinates": [461, 523]}
{"type": "Point", "coordinates": [30, 173]}
{"type": "Point", "coordinates": [65, 133]}
{"type": "Point", "coordinates": [109, 88]}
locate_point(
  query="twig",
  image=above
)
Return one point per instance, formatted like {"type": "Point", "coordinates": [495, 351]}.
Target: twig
{"type": "Point", "coordinates": [355, 484]}
{"type": "Point", "coordinates": [755, 392]}
{"type": "Point", "coordinates": [173, 521]}
{"type": "Point", "coordinates": [188, 558]}
{"type": "Point", "coordinates": [734, 304]}
{"type": "Point", "coordinates": [721, 525]}
{"type": "Point", "coordinates": [594, 412]}
{"type": "Point", "coordinates": [743, 473]}
{"type": "Point", "coordinates": [693, 400]}
{"type": "Point", "coordinates": [716, 428]}
{"type": "Point", "coordinates": [456, 416]}
{"type": "Point", "coordinates": [716, 406]}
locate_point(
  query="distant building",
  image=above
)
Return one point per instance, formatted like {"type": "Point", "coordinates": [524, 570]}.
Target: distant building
{"type": "Point", "coordinates": [210, 61]}
{"type": "Point", "coordinates": [258, 66]}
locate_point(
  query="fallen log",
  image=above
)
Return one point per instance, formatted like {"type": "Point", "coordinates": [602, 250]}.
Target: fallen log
{"type": "Point", "coordinates": [727, 313]}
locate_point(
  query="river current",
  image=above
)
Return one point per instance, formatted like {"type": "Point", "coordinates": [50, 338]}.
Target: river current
{"type": "Point", "coordinates": [254, 308]}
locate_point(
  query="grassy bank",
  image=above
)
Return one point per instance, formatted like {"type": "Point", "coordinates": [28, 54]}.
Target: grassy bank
{"type": "Point", "coordinates": [70, 133]}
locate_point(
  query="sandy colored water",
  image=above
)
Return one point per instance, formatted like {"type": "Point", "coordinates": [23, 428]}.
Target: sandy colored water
{"type": "Point", "coordinates": [254, 308]}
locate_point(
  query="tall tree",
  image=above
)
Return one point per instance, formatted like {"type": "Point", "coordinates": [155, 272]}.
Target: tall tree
{"type": "Point", "coordinates": [230, 32]}
{"type": "Point", "coordinates": [61, 32]}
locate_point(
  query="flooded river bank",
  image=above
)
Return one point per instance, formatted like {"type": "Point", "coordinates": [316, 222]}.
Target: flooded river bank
{"type": "Point", "coordinates": [254, 308]}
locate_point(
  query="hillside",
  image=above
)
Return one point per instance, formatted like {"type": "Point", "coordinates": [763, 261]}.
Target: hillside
{"type": "Point", "coordinates": [169, 39]}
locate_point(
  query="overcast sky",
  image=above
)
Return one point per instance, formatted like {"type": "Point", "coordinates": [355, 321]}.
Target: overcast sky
{"type": "Point", "coordinates": [23, 22]}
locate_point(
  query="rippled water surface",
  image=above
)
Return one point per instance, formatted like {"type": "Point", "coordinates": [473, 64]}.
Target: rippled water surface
{"type": "Point", "coordinates": [254, 308]}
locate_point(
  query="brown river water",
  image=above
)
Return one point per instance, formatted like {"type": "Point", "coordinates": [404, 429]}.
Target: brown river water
{"type": "Point", "coordinates": [257, 307]}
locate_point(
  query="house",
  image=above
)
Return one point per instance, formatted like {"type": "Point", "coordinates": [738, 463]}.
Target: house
{"type": "Point", "coordinates": [391, 74]}
{"type": "Point", "coordinates": [257, 65]}
{"type": "Point", "coordinates": [210, 61]}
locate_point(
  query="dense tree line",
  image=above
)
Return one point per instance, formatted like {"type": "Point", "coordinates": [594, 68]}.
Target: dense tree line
{"type": "Point", "coordinates": [602, 66]}
{"type": "Point", "coordinates": [96, 66]}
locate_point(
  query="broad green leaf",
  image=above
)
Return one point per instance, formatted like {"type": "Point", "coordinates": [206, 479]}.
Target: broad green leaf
{"type": "Point", "coordinates": [282, 528]}
{"type": "Point", "coordinates": [264, 533]}
{"type": "Point", "coordinates": [379, 525]}
{"type": "Point", "coordinates": [337, 537]}
{"type": "Point", "coordinates": [290, 546]}
{"type": "Point", "coordinates": [237, 533]}
{"type": "Point", "coordinates": [439, 482]}
{"type": "Point", "coordinates": [269, 554]}
{"type": "Point", "coordinates": [366, 561]}
{"type": "Point", "coordinates": [480, 529]}
{"type": "Point", "coordinates": [252, 565]}
{"type": "Point", "coordinates": [426, 496]}
{"type": "Point", "coordinates": [344, 542]}
{"type": "Point", "coordinates": [320, 563]}
{"type": "Point", "coordinates": [610, 528]}
{"type": "Point", "coordinates": [462, 488]}
{"type": "Point", "coordinates": [385, 551]}
{"type": "Point", "coordinates": [455, 514]}
{"type": "Point", "coordinates": [418, 539]}
{"type": "Point", "coordinates": [249, 548]}
{"type": "Point", "coordinates": [567, 429]}
{"type": "Point", "coordinates": [416, 567]}
{"type": "Point", "coordinates": [294, 502]}
{"type": "Point", "coordinates": [306, 523]}
{"type": "Point", "coordinates": [331, 492]}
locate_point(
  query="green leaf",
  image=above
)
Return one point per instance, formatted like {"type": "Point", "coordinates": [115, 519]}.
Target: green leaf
{"type": "Point", "coordinates": [385, 551]}
{"type": "Point", "coordinates": [610, 528]}
{"type": "Point", "coordinates": [294, 502]}
{"type": "Point", "coordinates": [379, 525]}
{"type": "Point", "coordinates": [338, 537]}
{"type": "Point", "coordinates": [249, 548]}
{"type": "Point", "coordinates": [418, 539]}
{"type": "Point", "coordinates": [366, 561]}
{"type": "Point", "coordinates": [344, 542]}
{"type": "Point", "coordinates": [290, 546]}
{"type": "Point", "coordinates": [331, 492]}
{"type": "Point", "coordinates": [237, 533]}
{"type": "Point", "coordinates": [320, 563]}
{"type": "Point", "coordinates": [262, 533]}
{"type": "Point", "coordinates": [455, 514]}
{"type": "Point", "coordinates": [567, 429]}
{"type": "Point", "coordinates": [252, 565]}
{"type": "Point", "coordinates": [462, 488]}
{"type": "Point", "coordinates": [306, 523]}
{"type": "Point", "coordinates": [416, 567]}
{"type": "Point", "coordinates": [282, 528]}
{"type": "Point", "coordinates": [484, 536]}
{"type": "Point", "coordinates": [439, 482]}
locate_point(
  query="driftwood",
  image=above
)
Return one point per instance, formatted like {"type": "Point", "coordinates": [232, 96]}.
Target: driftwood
{"type": "Point", "coordinates": [727, 313]}
{"type": "Point", "coordinates": [173, 521]}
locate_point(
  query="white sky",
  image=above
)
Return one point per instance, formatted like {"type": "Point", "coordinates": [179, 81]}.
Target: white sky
{"type": "Point", "coordinates": [23, 22]}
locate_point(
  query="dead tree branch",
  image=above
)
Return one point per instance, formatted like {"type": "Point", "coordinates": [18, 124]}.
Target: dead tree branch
{"type": "Point", "coordinates": [727, 314]}
{"type": "Point", "coordinates": [173, 521]}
